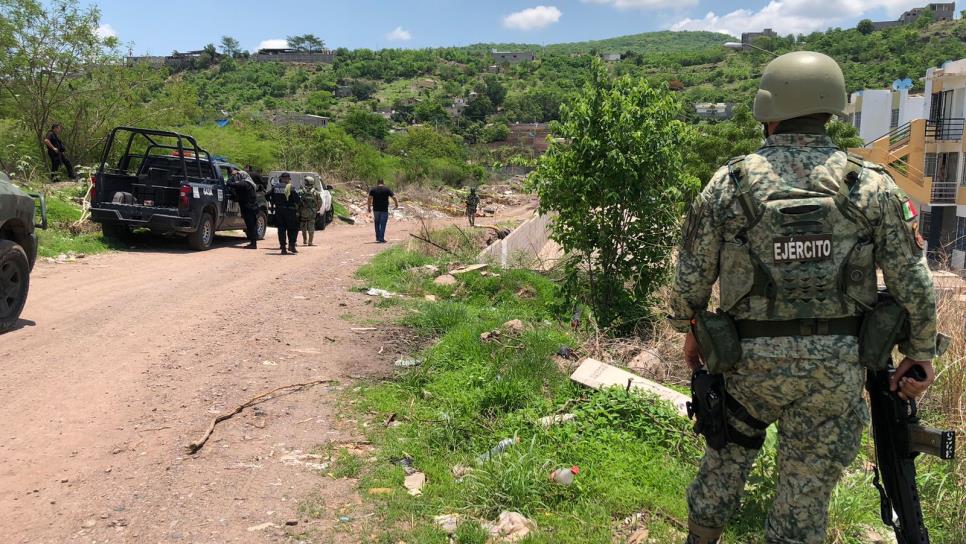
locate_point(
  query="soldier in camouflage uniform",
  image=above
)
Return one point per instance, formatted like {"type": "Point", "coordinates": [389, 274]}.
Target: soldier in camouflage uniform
{"type": "Point", "coordinates": [308, 209]}
{"type": "Point", "coordinates": [794, 233]}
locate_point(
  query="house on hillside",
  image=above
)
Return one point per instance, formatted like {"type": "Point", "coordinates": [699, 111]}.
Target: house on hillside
{"type": "Point", "coordinates": [875, 112]}
{"type": "Point", "coordinates": [294, 55]}
{"type": "Point", "coordinates": [941, 12]}
{"type": "Point", "coordinates": [156, 61]}
{"type": "Point", "coordinates": [290, 118]}
{"type": "Point", "coordinates": [529, 135]}
{"type": "Point", "coordinates": [749, 37]}
{"type": "Point", "coordinates": [611, 57]}
{"type": "Point", "coordinates": [927, 158]}
{"type": "Point", "coordinates": [714, 111]}
{"type": "Point", "coordinates": [512, 57]}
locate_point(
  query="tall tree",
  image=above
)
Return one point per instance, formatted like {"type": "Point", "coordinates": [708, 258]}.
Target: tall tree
{"type": "Point", "coordinates": [306, 42]}
{"type": "Point", "coordinates": [44, 53]}
{"type": "Point", "coordinates": [230, 46]}
{"type": "Point", "coordinates": [615, 183]}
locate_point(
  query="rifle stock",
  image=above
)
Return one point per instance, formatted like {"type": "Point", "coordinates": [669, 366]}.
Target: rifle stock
{"type": "Point", "coordinates": [899, 439]}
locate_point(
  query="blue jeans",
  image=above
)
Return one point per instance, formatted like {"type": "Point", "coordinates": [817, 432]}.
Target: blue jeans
{"type": "Point", "coordinates": [380, 219]}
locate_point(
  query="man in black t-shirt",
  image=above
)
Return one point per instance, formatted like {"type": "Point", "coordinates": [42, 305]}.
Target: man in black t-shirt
{"type": "Point", "coordinates": [57, 152]}
{"type": "Point", "coordinates": [379, 207]}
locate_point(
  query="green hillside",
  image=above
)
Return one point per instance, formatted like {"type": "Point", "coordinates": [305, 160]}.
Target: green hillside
{"type": "Point", "coordinates": [644, 43]}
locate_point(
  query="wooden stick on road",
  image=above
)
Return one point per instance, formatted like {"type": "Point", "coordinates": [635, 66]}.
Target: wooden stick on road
{"type": "Point", "coordinates": [194, 447]}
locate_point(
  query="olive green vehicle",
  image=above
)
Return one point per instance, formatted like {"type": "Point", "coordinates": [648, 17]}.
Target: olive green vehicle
{"type": "Point", "coordinates": [18, 248]}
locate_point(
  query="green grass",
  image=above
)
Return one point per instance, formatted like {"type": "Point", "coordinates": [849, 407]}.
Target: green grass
{"type": "Point", "coordinates": [62, 212]}
{"type": "Point", "coordinates": [635, 455]}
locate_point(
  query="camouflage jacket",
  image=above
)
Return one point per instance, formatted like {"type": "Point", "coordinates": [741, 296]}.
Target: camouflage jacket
{"type": "Point", "coordinates": [790, 162]}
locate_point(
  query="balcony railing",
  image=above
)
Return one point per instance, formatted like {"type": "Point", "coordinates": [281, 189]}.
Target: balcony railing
{"type": "Point", "coordinates": [945, 129]}
{"type": "Point", "coordinates": [896, 136]}
{"type": "Point", "coordinates": [944, 192]}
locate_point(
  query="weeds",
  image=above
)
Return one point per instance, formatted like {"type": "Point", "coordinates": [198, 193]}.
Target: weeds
{"type": "Point", "coordinates": [635, 455]}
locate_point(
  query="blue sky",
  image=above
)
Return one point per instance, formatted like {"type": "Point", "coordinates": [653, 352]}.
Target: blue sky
{"type": "Point", "coordinates": [376, 24]}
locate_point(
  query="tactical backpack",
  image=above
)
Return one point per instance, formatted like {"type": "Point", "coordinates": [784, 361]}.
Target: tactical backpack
{"type": "Point", "coordinates": [802, 261]}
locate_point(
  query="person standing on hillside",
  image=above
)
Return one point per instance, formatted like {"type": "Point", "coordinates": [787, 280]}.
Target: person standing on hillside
{"type": "Point", "coordinates": [308, 209]}
{"type": "Point", "coordinates": [242, 184]}
{"type": "Point", "coordinates": [379, 208]}
{"type": "Point", "coordinates": [286, 201]}
{"type": "Point", "coordinates": [472, 202]}
{"type": "Point", "coordinates": [57, 153]}
{"type": "Point", "coordinates": [794, 233]}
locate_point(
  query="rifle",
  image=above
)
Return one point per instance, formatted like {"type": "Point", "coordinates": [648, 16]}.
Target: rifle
{"type": "Point", "coordinates": [898, 436]}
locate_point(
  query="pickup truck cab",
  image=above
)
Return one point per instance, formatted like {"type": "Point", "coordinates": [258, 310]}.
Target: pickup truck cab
{"type": "Point", "coordinates": [326, 213]}
{"type": "Point", "coordinates": [162, 181]}
{"type": "Point", "coordinates": [18, 248]}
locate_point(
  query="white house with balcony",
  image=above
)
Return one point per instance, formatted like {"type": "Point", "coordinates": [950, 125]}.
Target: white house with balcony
{"type": "Point", "coordinates": [926, 155]}
{"type": "Point", "coordinates": [875, 112]}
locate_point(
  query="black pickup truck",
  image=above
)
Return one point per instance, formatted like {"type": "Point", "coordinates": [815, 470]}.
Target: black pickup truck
{"type": "Point", "coordinates": [164, 182]}
{"type": "Point", "coordinates": [18, 248]}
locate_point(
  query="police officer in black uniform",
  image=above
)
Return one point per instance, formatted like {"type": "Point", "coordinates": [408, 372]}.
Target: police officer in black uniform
{"type": "Point", "coordinates": [242, 184]}
{"type": "Point", "coordinates": [286, 200]}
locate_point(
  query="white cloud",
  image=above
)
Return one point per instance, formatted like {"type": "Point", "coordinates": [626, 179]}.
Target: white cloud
{"type": "Point", "coordinates": [644, 4]}
{"type": "Point", "coordinates": [399, 34]}
{"type": "Point", "coordinates": [533, 18]}
{"type": "Point", "coordinates": [105, 31]}
{"type": "Point", "coordinates": [274, 43]}
{"type": "Point", "coordinates": [793, 16]}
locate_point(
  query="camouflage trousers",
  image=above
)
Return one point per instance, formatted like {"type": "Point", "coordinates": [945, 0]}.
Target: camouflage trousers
{"type": "Point", "coordinates": [813, 388]}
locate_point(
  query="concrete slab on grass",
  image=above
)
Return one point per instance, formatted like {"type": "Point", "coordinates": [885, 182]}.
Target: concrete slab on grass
{"type": "Point", "coordinates": [596, 374]}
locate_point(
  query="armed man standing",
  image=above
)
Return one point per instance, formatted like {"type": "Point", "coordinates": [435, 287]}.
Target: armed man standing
{"type": "Point", "coordinates": [286, 201]}
{"type": "Point", "coordinates": [794, 233]}
{"type": "Point", "coordinates": [308, 209]}
{"type": "Point", "coordinates": [242, 184]}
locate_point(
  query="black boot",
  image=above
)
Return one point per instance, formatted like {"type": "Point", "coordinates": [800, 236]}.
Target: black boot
{"type": "Point", "coordinates": [251, 245]}
{"type": "Point", "coordinates": [284, 251]}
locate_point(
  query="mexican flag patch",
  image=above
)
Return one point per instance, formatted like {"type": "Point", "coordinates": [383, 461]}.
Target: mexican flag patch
{"type": "Point", "coordinates": [908, 210]}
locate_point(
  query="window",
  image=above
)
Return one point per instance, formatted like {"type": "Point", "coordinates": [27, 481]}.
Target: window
{"type": "Point", "coordinates": [930, 164]}
{"type": "Point", "coordinates": [894, 122]}
{"type": "Point", "coordinates": [925, 222]}
{"type": "Point", "coordinates": [960, 233]}
{"type": "Point", "coordinates": [858, 120]}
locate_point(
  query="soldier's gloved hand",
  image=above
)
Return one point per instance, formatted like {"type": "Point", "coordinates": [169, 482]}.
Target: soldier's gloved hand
{"type": "Point", "coordinates": [692, 357]}
{"type": "Point", "coordinates": [907, 387]}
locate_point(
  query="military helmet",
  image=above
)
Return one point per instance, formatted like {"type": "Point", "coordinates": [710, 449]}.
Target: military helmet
{"type": "Point", "coordinates": [799, 84]}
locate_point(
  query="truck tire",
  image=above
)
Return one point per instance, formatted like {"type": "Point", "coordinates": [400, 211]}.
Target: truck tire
{"type": "Point", "coordinates": [201, 239]}
{"type": "Point", "coordinates": [320, 222]}
{"type": "Point", "coordinates": [330, 215]}
{"type": "Point", "coordinates": [261, 225]}
{"type": "Point", "coordinates": [14, 283]}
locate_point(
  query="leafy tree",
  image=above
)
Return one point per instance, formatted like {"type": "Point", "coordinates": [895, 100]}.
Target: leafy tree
{"type": "Point", "coordinates": [42, 53]}
{"type": "Point", "coordinates": [865, 27]}
{"type": "Point", "coordinates": [430, 111]}
{"type": "Point", "coordinates": [479, 108]}
{"type": "Point", "coordinates": [719, 142]}
{"type": "Point", "coordinates": [362, 124]}
{"type": "Point", "coordinates": [844, 134]}
{"type": "Point", "coordinates": [319, 102]}
{"type": "Point", "coordinates": [306, 42]}
{"type": "Point", "coordinates": [616, 186]}
{"type": "Point", "coordinates": [362, 90]}
{"type": "Point", "coordinates": [493, 89]}
{"type": "Point", "coordinates": [497, 132]}
{"type": "Point", "coordinates": [230, 47]}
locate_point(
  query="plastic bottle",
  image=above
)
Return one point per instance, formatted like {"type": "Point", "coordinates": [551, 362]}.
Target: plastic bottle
{"type": "Point", "coordinates": [498, 449]}
{"type": "Point", "coordinates": [564, 476]}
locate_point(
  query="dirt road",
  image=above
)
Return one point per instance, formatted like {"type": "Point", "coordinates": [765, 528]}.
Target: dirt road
{"type": "Point", "coordinates": [123, 359]}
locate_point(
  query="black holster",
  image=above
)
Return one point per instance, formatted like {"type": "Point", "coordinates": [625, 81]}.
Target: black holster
{"type": "Point", "coordinates": [711, 406]}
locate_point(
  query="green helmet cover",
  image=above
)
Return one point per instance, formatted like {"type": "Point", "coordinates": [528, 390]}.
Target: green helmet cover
{"type": "Point", "coordinates": [799, 84]}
